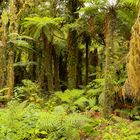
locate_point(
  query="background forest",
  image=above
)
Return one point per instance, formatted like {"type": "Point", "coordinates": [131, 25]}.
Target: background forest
{"type": "Point", "coordinates": [69, 70]}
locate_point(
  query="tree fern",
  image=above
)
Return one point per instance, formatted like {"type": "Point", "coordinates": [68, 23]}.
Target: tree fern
{"type": "Point", "coordinates": [35, 26]}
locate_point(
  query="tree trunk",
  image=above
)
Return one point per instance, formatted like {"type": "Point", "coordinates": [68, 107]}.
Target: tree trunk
{"type": "Point", "coordinates": [40, 72]}
{"type": "Point", "coordinates": [10, 74]}
{"type": "Point", "coordinates": [56, 69]}
{"type": "Point", "coordinates": [72, 6]}
{"type": "Point", "coordinates": [109, 40]}
{"type": "Point", "coordinates": [87, 62]}
{"type": "Point", "coordinates": [63, 73]}
{"type": "Point", "coordinates": [93, 57]}
{"type": "Point", "coordinates": [72, 59]}
{"type": "Point", "coordinates": [10, 66]}
{"type": "Point", "coordinates": [3, 49]}
{"type": "Point", "coordinates": [79, 68]}
{"type": "Point", "coordinates": [48, 58]}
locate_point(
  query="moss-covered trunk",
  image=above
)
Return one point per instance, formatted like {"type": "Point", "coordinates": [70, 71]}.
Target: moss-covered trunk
{"type": "Point", "coordinates": [3, 49]}
{"type": "Point", "coordinates": [109, 31]}
{"type": "Point", "coordinates": [72, 45]}
{"type": "Point", "coordinates": [10, 73]}
{"type": "Point", "coordinates": [10, 66]}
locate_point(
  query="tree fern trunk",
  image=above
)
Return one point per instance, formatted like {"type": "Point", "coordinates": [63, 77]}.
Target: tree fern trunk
{"type": "Point", "coordinates": [93, 56]}
{"type": "Point", "coordinates": [10, 74]}
{"type": "Point", "coordinates": [87, 62]}
{"type": "Point", "coordinates": [108, 72]}
{"type": "Point", "coordinates": [79, 68]}
{"type": "Point", "coordinates": [63, 73]}
{"type": "Point", "coordinates": [48, 59]}
{"type": "Point", "coordinates": [56, 69]}
{"type": "Point", "coordinates": [72, 59]}
{"type": "Point", "coordinates": [10, 66]}
{"type": "Point", "coordinates": [40, 71]}
{"type": "Point", "coordinates": [72, 6]}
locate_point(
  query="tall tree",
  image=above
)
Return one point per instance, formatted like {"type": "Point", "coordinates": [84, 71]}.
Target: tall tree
{"type": "Point", "coordinates": [4, 18]}
{"type": "Point", "coordinates": [72, 6]}
{"type": "Point", "coordinates": [53, 13]}
{"type": "Point", "coordinates": [109, 33]}
{"type": "Point", "coordinates": [12, 30]}
{"type": "Point", "coordinates": [44, 28]}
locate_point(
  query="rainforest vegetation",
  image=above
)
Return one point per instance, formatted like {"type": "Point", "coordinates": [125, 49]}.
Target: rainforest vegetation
{"type": "Point", "coordinates": [69, 70]}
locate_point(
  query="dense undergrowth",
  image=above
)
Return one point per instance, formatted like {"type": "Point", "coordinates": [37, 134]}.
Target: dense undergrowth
{"type": "Point", "coordinates": [70, 115]}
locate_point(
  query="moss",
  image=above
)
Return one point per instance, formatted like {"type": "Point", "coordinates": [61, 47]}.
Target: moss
{"type": "Point", "coordinates": [133, 66]}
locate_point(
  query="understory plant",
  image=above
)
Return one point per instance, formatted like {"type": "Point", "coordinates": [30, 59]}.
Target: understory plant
{"type": "Point", "coordinates": [29, 91]}
{"type": "Point", "coordinates": [20, 121]}
{"type": "Point", "coordinates": [74, 100]}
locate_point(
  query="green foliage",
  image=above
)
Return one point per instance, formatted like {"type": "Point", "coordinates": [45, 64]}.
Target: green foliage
{"type": "Point", "coordinates": [17, 120]}
{"type": "Point", "coordinates": [29, 91]}
{"type": "Point", "coordinates": [121, 129]}
{"type": "Point", "coordinates": [27, 121]}
{"type": "Point", "coordinates": [72, 114]}
{"type": "Point", "coordinates": [59, 125]}
{"type": "Point", "coordinates": [74, 100]}
{"type": "Point", "coordinates": [20, 42]}
{"type": "Point", "coordinates": [21, 121]}
{"type": "Point", "coordinates": [35, 26]}
{"type": "Point", "coordinates": [69, 95]}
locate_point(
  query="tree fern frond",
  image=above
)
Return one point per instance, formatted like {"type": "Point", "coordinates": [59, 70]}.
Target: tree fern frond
{"type": "Point", "coordinates": [37, 31]}
{"type": "Point", "coordinates": [37, 25]}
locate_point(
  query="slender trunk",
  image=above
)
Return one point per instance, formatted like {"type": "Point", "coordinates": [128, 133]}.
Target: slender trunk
{"type": "Point", "coordinates": [56, 69]}
{"type": "Point", "coordinates": [63, 73]}
{"type": "Point", "coordinates": [72, 58]}
{"type": "Point", "coordinates": [48, 57]}
{"type": "Point", "coordinates": [40, 72]}
{"type": "Point", "coordinates": [10, 74]}
{"type": "Point", "coordinates": [1, 68]}
{"type": "Point", "coordinates": [10, 66]}
{"type": "Point", "coordinates": [72, 6]}
{"type": "Point", "coordinates": [79, 68]}
{"type": "Point", "coordinates": [93, 57]}
{"type": "Point", "coordinates": [3, 49]}
{"type": "Point", "coordinates": [19, 70]}
{"type": "Point", "coordinates": [32, 56]}
{"type": "Point", "coordinates": [87, 62]}
{"type": "Point", "coordinates": [109, 39]}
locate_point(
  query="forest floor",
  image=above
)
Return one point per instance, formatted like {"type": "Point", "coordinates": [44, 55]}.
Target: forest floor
{"type": "Point", "coordinates": [28, 122]}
